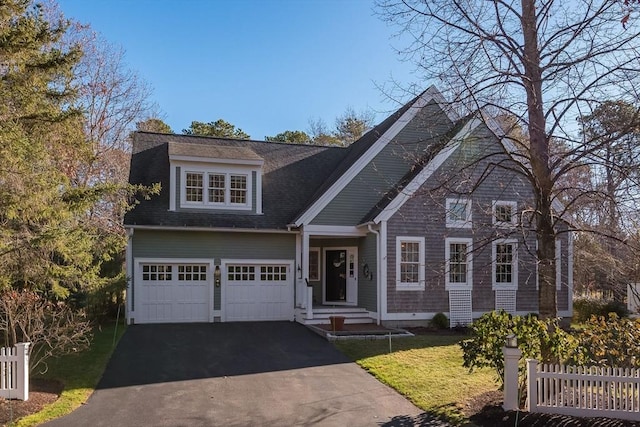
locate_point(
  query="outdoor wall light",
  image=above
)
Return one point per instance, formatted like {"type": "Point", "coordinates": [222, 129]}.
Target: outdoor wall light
{"type": "Point", "coordinates": [511, 341]}
{"type": "Point", "coordinates": [216, 275]}
{"type": "Point", "coordinates": [367, 272]}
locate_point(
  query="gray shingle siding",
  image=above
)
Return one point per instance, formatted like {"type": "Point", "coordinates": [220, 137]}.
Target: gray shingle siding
{"type": "Point", "coordinates": [424, 216]}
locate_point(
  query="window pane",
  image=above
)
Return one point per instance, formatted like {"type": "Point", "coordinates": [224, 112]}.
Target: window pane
{"type": "Point", "coordinates": [216, 188]}
{"type": "Point", "coordinates": [409, 262]}
{"type": "Point", "coordinates": [503, 213]}
{"type": "Point", "coordinates": [314, 265]}
{"type": "Point", "coordinates": [458, 211]}
{"type": "Point", "coordinates": [458, 263]}
{"type": "Point", "coordinates": [238, 186]}
{"type": "Point", "coordinates": [193, 187]}
{"type": "Point", "coordinates": [504, 263]}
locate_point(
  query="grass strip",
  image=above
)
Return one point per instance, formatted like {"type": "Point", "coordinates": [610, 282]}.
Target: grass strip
{"type": "Point", "coordinates": [79, 373]}
{"type": "Point", "coordinates": [426, 369]}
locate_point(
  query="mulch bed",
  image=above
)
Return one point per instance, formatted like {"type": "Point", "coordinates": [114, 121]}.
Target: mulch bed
{"type": "Point", "coordinates": [486, 411]}
{"type": "Point", "coordinates": [41, 393]}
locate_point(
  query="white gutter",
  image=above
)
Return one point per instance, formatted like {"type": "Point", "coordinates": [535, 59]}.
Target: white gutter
{"type": "Point", "coordinates": [212, 229]}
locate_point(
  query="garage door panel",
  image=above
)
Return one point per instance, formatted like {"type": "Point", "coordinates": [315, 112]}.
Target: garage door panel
{"type": "Point", "coordinates": [174, 293]}
{"type": "Point", "coordinates": [258, 292]}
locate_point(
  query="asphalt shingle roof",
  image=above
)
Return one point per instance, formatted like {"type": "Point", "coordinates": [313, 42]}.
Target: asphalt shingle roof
{"type": "Point", "coordinates": [291, 174]}
{"type": "Point", "coordinates": [294, 175]}
{"type": "Point", "coordinates": [212, 151]}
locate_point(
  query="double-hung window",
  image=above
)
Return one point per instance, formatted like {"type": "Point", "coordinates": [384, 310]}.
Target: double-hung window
{"type": "Point", "coordinates": [504, 213]}
{"type": "Point", "coordinates": [410, 263]}
{"type": "Point", "coordinates": [458, 213]}
{"type": "Point", "coordinates": [505, 264]}
{"type": "Point", "coordinates": [194, 187]}
{"type": "Point", "coordinates": [216, 189]}
{"type": "Point", "coordinates": [458, 263]}
{"type": "Point", "coordinates": [238, 189]}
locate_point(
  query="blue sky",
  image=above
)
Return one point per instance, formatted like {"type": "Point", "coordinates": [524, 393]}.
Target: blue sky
{"type": "Point", "coordinates": [264, 65]}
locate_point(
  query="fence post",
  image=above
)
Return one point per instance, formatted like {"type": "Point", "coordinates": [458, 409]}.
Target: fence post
{"type": "Point", "coordinates": [511, 358]}
{"type": "Point", "coordinates": [532, 393]}
{"type": "Point", "coordinates": [22, 351]}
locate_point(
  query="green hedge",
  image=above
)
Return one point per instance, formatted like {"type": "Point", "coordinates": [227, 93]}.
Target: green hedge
{"type": "Point", "coordinates": [584, 308]}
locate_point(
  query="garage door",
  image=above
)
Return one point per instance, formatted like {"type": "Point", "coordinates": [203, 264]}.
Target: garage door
{"type": "Point", "coordinates": [258, 292]}
{"type": "Point", "coordinates": [172, 292]}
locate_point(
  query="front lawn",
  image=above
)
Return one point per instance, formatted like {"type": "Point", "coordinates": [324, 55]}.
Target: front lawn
{"type": "Point", "coordinates": [427, 369]}
{"type": "Point", "coordinates": [79, 373]}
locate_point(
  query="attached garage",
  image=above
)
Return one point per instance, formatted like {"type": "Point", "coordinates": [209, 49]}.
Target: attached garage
{"type": "Point", "coordinates": [257, 290]}
{"type": "Point", "coordinates": [173, 292]}
{"type": "Point", "coordinates": [183, 290]}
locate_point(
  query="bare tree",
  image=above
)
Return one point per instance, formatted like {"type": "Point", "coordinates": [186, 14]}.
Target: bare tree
{"type": "Point", "coordinates": [542, 62]}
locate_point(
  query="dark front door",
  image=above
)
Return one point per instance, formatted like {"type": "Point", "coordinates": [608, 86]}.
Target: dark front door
{"type": "Point", "coordinates": [336, 275]}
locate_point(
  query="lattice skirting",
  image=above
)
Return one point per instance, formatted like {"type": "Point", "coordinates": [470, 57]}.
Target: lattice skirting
{"type": "Point", "coordinates": [460, 312]}
{"type": "Point", "coordinates": [506, 300]}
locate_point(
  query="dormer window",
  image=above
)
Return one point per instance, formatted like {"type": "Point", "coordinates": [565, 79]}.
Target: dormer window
{"type": "Point", "coordinates": [223, 189]}
{"type": "Point", "coordinates": [193, 187]}
{"type": "Point", "coordinates": [212, 177]}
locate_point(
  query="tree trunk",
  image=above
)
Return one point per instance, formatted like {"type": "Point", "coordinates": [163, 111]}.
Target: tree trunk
{"type": "Point", "coordinates": [539, 155]}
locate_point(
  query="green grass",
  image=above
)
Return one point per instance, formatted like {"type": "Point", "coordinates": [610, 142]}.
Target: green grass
{"type": "Point", "coordinates": [79, 373]}
{"type": "Point", "coordinates": [426, 369]}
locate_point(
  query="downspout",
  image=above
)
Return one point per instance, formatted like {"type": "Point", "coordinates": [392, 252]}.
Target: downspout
{"type": "Point", "coordinates": [129, 296]}
{"type": "Point", "coordinates": [378, 278]}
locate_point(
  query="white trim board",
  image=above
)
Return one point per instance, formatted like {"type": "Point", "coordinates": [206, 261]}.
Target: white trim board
{"type": "Point", "coordinates": [334, 230]}
{"type": "Point", "coordinates": [211, 229]}
{"type": "Point", "coordinates": [431, 94]}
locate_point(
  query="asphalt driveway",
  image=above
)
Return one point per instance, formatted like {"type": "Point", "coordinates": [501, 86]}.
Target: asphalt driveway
{"type": "Point", "coordinates": [237, 374]}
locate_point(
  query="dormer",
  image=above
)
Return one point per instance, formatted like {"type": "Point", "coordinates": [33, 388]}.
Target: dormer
{"type": "Point", "coordinates": [214, 178]}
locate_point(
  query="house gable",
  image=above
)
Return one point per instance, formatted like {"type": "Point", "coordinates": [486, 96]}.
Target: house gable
{"type": "Point", "coordinates": [380, 168]}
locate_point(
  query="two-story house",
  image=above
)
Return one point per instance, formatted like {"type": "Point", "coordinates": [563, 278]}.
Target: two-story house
{"type": "Point", "coordinates": [419, 216]}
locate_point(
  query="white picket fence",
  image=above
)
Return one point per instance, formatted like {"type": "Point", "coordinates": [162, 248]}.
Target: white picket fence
{"type": "Point", "coordinates": [14, 372]}
{"type": "Point", "coordinates": [583, 391]}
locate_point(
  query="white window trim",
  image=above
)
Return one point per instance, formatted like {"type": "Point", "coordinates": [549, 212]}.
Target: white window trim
{"type": "Point", "coordinates": [466, 223]}
{"type": "Point", "coordinates": [514, 268]}
{"type": "Point", "coordinates": [514, 215]}
{"type": "Point", "coordinates": [206, 171]}
{"type": "Point", "coordinates": [458, 286]}
{"type": "Point", "coordinates": [420, 285]}
{"type": "Point", "coordinates": [316, 250]}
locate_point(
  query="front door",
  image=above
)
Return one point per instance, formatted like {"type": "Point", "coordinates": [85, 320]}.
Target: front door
{"type": "Point", "coordinates": [341, 282]}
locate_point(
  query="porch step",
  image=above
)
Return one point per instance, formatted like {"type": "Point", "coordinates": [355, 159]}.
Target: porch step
{"type": "Point", "coordinates": [321, 315]}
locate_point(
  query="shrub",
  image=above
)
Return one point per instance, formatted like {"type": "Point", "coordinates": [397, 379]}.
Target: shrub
{"type": "Point", "coordinates": [52, 328]}
{"type": "Point", "coordinates": [440, 321]}
{"type": "Point", "coordinates": [609, 341]}
{"type": "Point", "coordinates": [537, 339]}
{"type": "Point", "coordinates": [585, 308]}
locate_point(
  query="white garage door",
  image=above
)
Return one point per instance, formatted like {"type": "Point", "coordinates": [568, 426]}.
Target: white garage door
{"type": "Point", "coordinates": [172, 293]}
{"type": "Point", "coordinates": [258, 292]}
